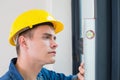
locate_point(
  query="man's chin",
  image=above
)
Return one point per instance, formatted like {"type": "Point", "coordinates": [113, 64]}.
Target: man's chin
{"type": "Point", "coordinates": [52, 62]}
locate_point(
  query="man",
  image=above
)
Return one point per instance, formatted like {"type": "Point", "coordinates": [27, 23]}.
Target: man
{"type": "Point", "coordinates": [33, 34]}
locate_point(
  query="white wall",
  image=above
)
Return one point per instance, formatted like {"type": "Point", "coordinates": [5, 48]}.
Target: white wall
{"type": "Point", "coordinates": [61, 9]}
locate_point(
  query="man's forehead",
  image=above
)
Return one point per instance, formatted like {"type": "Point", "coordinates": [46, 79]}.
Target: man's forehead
{"type": "Point", "coordinates": [49, 34]}
{"type": "Point", "coordinates": [47, 29]}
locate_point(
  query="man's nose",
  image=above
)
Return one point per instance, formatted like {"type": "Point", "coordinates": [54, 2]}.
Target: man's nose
{"type": "Point", "coordinates": [54, 44]}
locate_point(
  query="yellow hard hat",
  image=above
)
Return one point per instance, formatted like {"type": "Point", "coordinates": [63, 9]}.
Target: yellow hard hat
{"type": "Point", "coordinates": [30, 18]}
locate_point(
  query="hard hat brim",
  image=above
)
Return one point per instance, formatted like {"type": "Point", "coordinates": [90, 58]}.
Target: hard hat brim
{"type": "Point", "coordinates": [58, 26]}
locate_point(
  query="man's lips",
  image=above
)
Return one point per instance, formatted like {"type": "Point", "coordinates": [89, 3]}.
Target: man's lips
{"type": "Point", "coordinates": [52, 52]}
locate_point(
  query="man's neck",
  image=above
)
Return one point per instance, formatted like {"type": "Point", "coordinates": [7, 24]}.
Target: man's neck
{"type": "Point", "coordinates": [28, 70]}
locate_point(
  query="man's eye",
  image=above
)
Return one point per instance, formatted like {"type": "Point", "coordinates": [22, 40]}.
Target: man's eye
{"type": "Point", "coordinates": [46, 37]}
{"type": "Point", "coordinates": [54, 38]}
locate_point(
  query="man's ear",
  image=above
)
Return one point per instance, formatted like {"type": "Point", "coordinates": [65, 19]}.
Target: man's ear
{"type": "Point", "coordinates": [22, 41]}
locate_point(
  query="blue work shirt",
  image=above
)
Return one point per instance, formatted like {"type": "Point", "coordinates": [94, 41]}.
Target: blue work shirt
{"type": "Point", "coordinates": [13, 74]}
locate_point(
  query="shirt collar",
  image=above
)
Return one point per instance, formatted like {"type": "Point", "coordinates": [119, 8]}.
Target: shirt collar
{"type": "Point", "coordinates": [13, 70]}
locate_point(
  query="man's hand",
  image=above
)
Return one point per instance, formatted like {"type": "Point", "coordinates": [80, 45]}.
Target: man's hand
{"type": "Point", "coordinates": [81, 72]}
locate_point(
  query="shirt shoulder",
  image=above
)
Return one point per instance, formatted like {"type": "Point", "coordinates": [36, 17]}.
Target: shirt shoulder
{"type": "Point", "coordinates": [6, 76]}
{"type": "Point", "coordinates": [52, 75]}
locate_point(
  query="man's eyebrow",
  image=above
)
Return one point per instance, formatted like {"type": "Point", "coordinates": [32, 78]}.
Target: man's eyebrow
{"type": "Point", "coordinates": [48, 34]}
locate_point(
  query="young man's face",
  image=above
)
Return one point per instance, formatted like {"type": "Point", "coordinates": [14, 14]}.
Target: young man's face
{"type": "Point", "coordinates": [42, 47]}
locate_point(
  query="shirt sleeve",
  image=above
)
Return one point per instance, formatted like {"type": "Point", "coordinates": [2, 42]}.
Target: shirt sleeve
{"type": "Point", "coordinates": [75, 77]}
{"type": "Point", "coordinates": [52, 75]}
